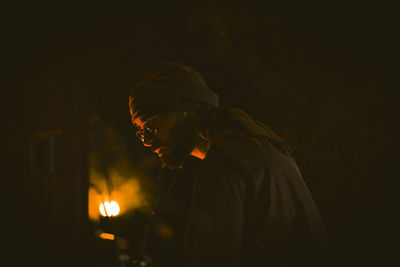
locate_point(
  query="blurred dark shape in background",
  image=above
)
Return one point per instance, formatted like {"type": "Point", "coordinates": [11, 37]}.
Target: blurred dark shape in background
{"type": "Point", "coordinates": [322, 77]}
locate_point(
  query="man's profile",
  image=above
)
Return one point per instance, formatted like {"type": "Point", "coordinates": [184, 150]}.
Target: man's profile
{"type": "Point", "coordinates": [250, 205]}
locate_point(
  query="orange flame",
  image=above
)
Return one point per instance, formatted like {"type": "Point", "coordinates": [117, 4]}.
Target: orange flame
{"type": "Point", "coordinates": [109, 209]}
{"type": "Point", "coordinates": [125, 192]}
{"type": "Point", "coordinates": [107, 236]}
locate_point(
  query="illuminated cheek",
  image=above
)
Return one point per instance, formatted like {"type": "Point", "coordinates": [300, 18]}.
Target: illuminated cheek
{"type": "Point", "coordinates": [165, 131]}
{"type": "Point", "coordinates": [163, 136]}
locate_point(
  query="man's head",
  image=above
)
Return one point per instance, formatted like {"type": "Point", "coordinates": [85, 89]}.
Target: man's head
{"type": "Point", "coordinates": [159, 106]}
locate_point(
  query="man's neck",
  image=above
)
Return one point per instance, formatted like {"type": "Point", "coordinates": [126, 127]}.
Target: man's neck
{"type": "Point", "coordinates": [202, 141]}
{"type": "Point", "coordinates": [201, 148]}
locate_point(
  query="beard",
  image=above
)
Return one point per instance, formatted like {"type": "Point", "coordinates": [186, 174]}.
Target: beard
{"type": "Point", "coordinates": [173, 159]}
{"type": "Point", "coordinates": [178, 147]}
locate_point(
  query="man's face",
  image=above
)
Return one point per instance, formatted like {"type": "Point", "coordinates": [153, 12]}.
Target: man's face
{"type": "Point", "coordinates": [168, 135]}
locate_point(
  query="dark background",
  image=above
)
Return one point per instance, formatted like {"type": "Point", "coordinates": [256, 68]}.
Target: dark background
{"type": "Point", "coordinates": [321, 76]}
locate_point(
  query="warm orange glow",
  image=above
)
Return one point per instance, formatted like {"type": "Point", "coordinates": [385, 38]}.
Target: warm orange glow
{"type": "Point", "coordinates": [198, 154]}
{"type": "Point", "coordinates": [126, 192]}
{"type": "Point", "coordinates": [109, 209]}
{"type": "Point", "coordinates": [107, 236]}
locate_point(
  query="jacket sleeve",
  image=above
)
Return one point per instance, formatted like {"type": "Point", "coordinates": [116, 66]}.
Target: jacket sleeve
{"type": "Point", "coordinates": [215, 225]}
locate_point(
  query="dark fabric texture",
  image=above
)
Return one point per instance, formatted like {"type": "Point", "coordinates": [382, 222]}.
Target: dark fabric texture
{"type": "Point", "coordinates": [171, 86]}
{"type": "Point", "coordinates": [250, 205]}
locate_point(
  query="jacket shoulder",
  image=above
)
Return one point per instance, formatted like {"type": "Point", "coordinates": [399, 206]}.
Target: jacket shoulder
{"type": "Point", "coordinates": [242, 152]}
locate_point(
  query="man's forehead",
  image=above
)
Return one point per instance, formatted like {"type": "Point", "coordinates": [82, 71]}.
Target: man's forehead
{"type": "Point", "coordinates": [131, 105]}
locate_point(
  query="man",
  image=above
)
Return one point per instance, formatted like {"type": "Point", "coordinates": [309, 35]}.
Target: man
{"type": "Point", "coordinates": [250, 205]}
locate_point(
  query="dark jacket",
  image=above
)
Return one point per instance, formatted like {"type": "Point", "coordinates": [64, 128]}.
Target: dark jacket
{"type": "Point", "coordinates": [250, 204]}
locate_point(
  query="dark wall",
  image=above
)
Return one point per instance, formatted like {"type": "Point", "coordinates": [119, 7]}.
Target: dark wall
{"type": "Point", "coordinates": [322, 77]}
